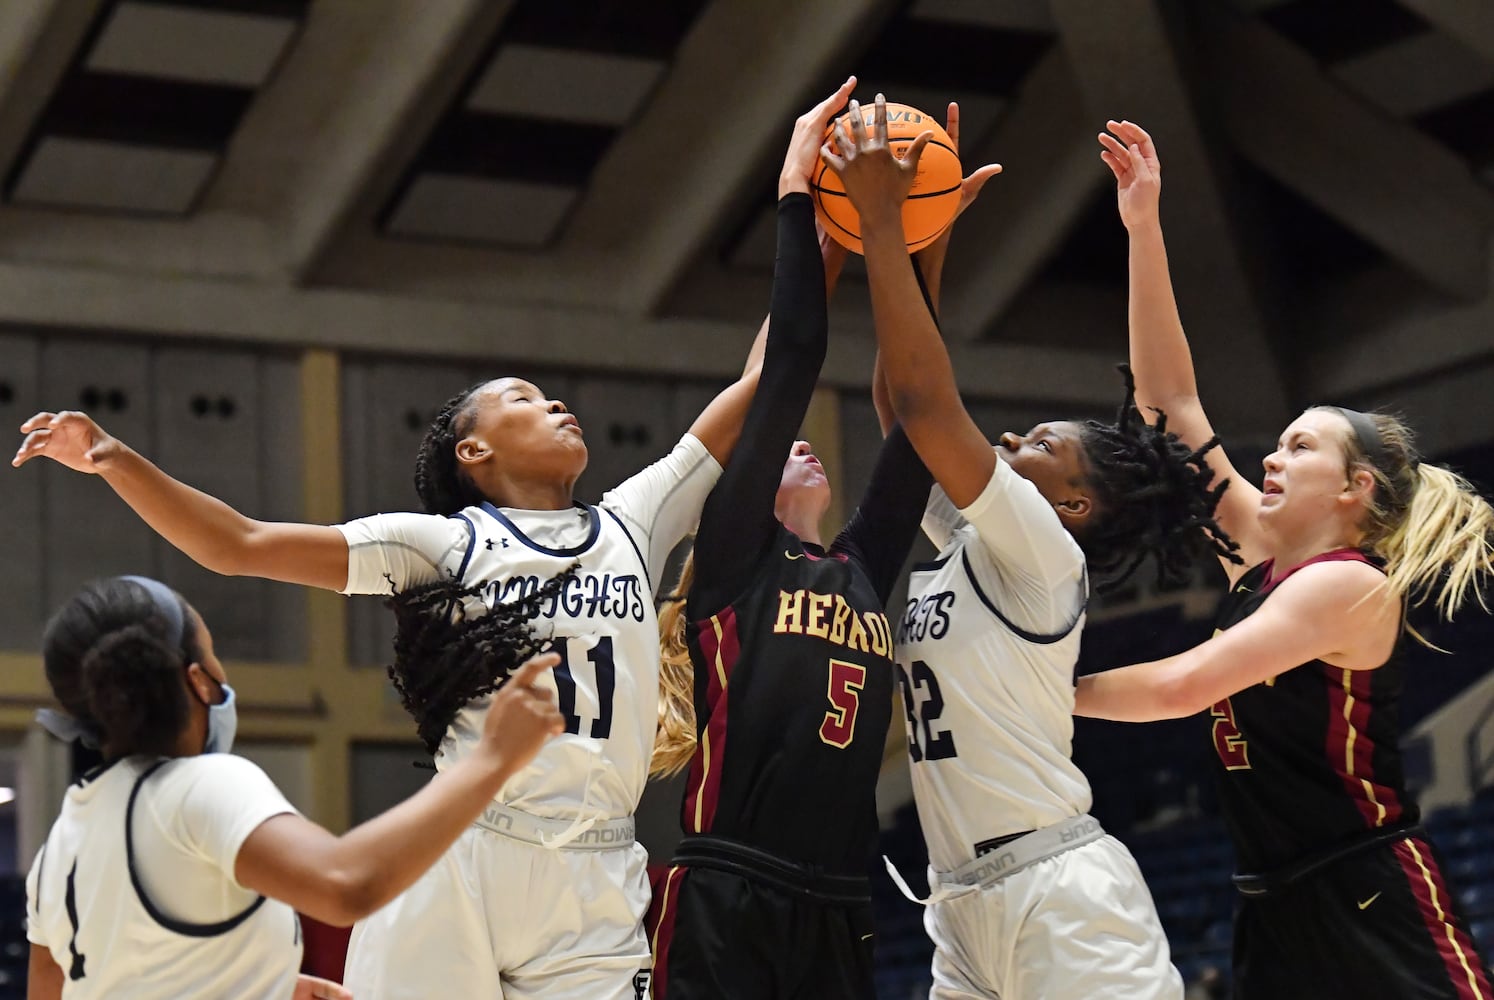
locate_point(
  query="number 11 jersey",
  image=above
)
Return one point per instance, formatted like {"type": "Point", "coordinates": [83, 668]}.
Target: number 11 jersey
{"type": "Point", "coordinates": [986, 648]}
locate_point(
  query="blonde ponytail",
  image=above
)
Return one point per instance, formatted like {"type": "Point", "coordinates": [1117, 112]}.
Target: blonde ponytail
{"type": "Point", "coordinates": [674, 739]}
{"type": "Point", "coordinates": [1444, 546]}
{"type": "Point", "coordinates": [1429, 525]}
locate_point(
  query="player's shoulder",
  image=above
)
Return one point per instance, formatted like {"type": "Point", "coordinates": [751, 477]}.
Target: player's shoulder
{"type": "Point", "coordinates": [182, 776]}
{"type": "Point", "coordinates": [1334, 583]}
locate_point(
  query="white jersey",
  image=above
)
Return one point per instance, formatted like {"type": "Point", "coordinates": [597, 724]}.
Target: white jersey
{"type": "Point", "coordinates": [604, 623]}
{"type": "Point", "coordinates": [986, 652]}
{"type": "Point", "coordinates": [162, 916]}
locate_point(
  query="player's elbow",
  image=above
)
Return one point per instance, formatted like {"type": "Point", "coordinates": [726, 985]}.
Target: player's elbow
{"type": "Point", "coordinates": [1179, 693]}
{"type": "Point", "coordinates": [917, 400]}
{"type": "Point", "coordinates": [347, 896]}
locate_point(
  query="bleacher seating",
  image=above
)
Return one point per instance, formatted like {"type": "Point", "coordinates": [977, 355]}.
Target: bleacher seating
{"type": "Point", "coordinates": [14, 949]}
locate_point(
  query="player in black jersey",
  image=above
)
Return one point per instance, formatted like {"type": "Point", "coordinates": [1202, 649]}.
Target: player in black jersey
{"type": "Point", "coordinates": [1342, 896]}
{"type": "Point", "coordinates": [768, 895]}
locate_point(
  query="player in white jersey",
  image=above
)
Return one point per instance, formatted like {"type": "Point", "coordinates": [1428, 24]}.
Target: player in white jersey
{"type": "Point", "coordinates": [545, 895]}
{"type": "Point", "coordinates": [1030, 898]}
{"type": "Point", "coordinates": [175, 868]}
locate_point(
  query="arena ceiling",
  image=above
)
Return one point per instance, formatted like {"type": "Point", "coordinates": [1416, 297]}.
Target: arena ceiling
{"type": "Point", "coordinates": [590, 184]}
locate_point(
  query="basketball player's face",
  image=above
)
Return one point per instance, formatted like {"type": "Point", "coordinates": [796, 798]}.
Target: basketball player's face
{"type": "Point", "coordinates": [1051, 457]}
{"type": "Point", "coordinates": [1307, 475]}
{"type": "Point", "coordinates": [803, 490]}
{"type": "Point", "coordinates": [522, 428]}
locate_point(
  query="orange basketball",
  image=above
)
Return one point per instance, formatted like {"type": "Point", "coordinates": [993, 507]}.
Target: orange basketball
{"type": "Point", "coordinates": [931, 203]}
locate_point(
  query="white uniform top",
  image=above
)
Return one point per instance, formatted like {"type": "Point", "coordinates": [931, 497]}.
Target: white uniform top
{"type": "Point", "coordinates": [169, 934]}
{"type": "Point", "coordinates": [608, 683]}
{"type": "Point", "coordinates": [986, 650]}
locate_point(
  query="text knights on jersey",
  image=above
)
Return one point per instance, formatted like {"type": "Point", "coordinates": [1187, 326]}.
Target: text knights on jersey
{"type": "Point", "coordinates": [606, 595]}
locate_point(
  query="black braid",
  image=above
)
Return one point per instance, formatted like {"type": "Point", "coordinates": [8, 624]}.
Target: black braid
{"type": "Point", "coordinates": [439, 480]}
{"type": "Point", "coordinates": [1154, 498]}
{"type": "Point", "coordinates": [444, 659]}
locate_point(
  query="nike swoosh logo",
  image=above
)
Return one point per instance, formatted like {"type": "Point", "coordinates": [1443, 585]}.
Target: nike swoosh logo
{"type": "Point", "coordinates": [1366, 904]}
{"type": "Point", "coordinates": [793, 555]}
{"type": "Point", "coordinates": [865, 936]}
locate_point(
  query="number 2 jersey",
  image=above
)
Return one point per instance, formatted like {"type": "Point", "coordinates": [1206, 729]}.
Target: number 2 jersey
{"type": "Point", "coordinates": [1309, 760]}
{"type": "Point", "coordinates": [986, 649]}
{"type": "Point", "coordinates": [603, 622]}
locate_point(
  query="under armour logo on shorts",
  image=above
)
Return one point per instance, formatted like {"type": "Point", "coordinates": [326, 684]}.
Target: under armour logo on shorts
{"type": "Point", "coordinates": [640, 984]}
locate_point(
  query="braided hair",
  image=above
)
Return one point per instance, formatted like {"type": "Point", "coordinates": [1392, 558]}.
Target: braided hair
{"type": "Point", "coordinates": [444, 488]}
{"type": "Point", "coordinates": [445, 655]}
{"type": "Point", "coordinates": [1154, 498]}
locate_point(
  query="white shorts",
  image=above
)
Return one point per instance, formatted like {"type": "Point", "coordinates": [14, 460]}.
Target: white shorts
{"type": "Point", "coordinates": [1075, 926]}
{"type": "Point", "coordinates": [499, 918]}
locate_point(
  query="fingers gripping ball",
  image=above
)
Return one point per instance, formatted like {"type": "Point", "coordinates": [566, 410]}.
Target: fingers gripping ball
{"type": "Point", "coordinates": [933, 200]}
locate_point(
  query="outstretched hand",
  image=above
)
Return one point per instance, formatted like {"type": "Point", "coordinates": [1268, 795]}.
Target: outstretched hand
{"type": "Point", "coordinates": [69, 437]}
{"type": "Point", "coordinates": [970, 187]}
{"type": "Point", "coordinates": [876, 181]}
{"type": "Point", "coordinates": [1132, 156]}
{"type": "Point", "coordinates": [809, 133]}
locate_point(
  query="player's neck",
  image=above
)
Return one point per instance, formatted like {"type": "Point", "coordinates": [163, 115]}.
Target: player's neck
{"type": "Point", "coordinates": [804, 526]}
{"type": "Point", "coordinates": [1289, 552]}
{"type": "Point", "coordinates": [531, 495]}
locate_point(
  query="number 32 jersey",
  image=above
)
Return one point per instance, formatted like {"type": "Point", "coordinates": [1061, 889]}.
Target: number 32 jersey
{"type": "Point", "coordinates": [986, 649]}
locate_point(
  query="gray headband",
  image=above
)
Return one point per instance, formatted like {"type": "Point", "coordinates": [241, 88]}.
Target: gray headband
{"type": "Point", "coordinates": [169, 604]}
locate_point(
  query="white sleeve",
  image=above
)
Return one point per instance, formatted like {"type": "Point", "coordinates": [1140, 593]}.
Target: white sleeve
{"type": "Point", "coordinates": [1038, 568]}
{"type": "Point", "coordinates": [940, 518]}
{"type": "Point", "coordinates": [661, 504]}
{"type": "Point", "coordinates": [35, 933]}
{"type": "Point", "coordinates": [388, 553]}
{"type": "Point", "coordinates": [212, 806]}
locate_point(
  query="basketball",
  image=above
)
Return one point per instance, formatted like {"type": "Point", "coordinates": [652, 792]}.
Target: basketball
{"type": "Point", "coordinates": [933, 199]}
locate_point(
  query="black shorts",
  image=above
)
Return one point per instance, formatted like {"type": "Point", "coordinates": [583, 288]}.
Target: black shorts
{"type": "Point", "coordinates": [1379, 922]}
{"type": "Point", "coordinates": [735, 932]}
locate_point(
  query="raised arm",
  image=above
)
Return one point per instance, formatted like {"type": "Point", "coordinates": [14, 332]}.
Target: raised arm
{"type": "Point", "coordinates": [719, 425]}
{"type": "Point", "coordinates": [738, 520]}
{"type": "Point", "coordinates": [1160, 359]}
{"type": "Point", "coordinates": [1331, 611]}
{"type": "Point", "coordinates": [339, 880]}
{"type": "Point", "coordinates": [881, 530]}
{"type": "Point", "coordinates": [915, 363]}
{"type": "Point", "coordinates": [209, 531]}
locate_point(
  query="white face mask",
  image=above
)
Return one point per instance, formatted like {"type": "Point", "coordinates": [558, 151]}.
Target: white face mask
{"type": "Point", "coordinates": [223, 723]}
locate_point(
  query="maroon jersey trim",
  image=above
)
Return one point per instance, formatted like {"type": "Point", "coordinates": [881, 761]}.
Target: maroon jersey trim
{"type": "Point", "coordinates": [1457, 949]}
{"type": "Point", "coordinates": [663, 917]}
{"type": "Point", "coordinates": [1351, 750]}
{"type": "Point", "coordinates": [720, 649]}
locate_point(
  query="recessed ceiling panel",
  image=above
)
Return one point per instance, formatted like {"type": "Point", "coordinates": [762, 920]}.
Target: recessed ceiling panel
{"type": "Point", "coordinates": [185, 43]}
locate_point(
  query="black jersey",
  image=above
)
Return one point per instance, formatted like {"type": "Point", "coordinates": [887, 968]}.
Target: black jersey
{"type": "Point", "coordinates": [1310, 759]}
{"type": "Point", "coordinates": [791, 649]}
{"type": "Point", "coordinates": [794, 682]}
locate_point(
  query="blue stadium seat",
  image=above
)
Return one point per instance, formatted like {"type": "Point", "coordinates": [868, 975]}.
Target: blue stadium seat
{"type": "Point", "coordinates": [1477, 899]}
